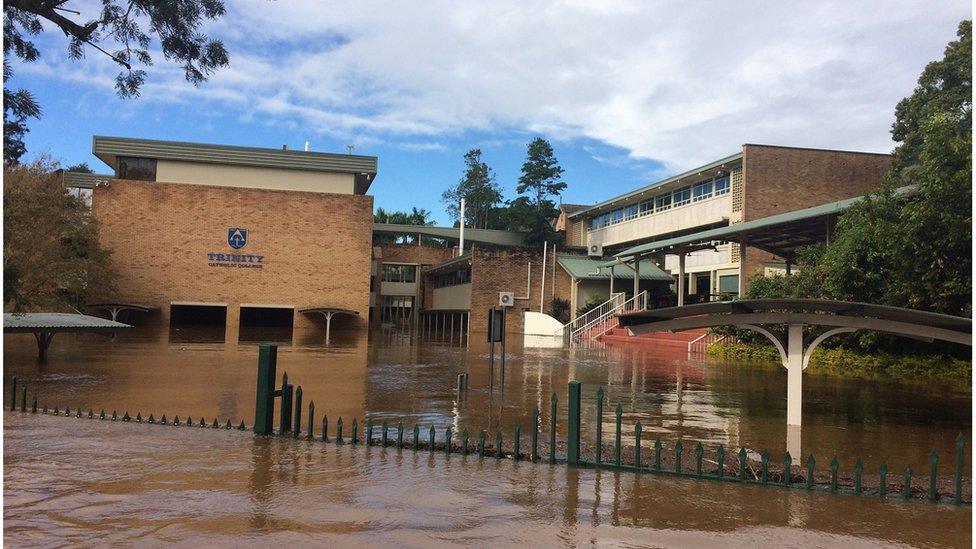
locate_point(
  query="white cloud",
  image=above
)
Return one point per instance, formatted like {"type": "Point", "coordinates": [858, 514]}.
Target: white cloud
{"type": "Point", "coordinates": [679, 83]}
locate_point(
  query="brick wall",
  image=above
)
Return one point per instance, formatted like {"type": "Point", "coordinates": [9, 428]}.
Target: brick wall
{"type": "Point", "coordinates": [316, 247]}
{"type": "Point", "coordinates": [783, 179]}
{"type": "Point", "coordinates": [496, 270]}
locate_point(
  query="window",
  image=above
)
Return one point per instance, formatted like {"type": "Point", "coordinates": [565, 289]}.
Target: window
{"type": "Point", "coordinates": [630, 212]}
{"type": "Point", "coordinates": [728, 284]}
{"type": "Point", "coordinates": [662, 202]}
{"type": "Point", "coordinates": [721, 185]}
{"type": "Point", "coordinates": [399, 273]}
{"type": "Point", "coordinates": [646, 207]}
{"type": "Point", "coordinates": [701, 190]}
{"type": "Point", "coordinates": [140, 169]}
{"type": "Point", "coordinates": [453, 278]}
{"type": "Point", "coordinates": [616, 216]}
{"type": "Point", "coordinates": [682, 196]}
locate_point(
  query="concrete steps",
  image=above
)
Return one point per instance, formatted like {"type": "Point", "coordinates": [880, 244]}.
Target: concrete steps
{"type": "Point", "coordinates": [678, 340]}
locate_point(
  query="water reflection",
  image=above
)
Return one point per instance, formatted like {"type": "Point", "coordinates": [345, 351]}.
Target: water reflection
{"type": "Point", "coordinates": [392, 376]}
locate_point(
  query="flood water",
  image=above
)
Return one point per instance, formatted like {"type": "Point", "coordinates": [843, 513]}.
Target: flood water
{"type": "Point", "coordinates": [124, 482]}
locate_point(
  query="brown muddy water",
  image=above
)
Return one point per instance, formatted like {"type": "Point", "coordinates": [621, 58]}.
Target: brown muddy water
{"type": "Point", "coordinates": [75, 481]}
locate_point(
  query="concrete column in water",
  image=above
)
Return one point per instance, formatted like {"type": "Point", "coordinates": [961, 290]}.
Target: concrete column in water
{"type": "Point", "coordinates": [681, 279]}
{"type": "Point", "coordinates": [794, 387]}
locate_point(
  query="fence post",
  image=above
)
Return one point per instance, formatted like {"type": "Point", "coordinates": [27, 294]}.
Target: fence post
{"type": "Point", "coordinates": [13, 392]}
{"type": "Point", "coordinates": [883, 479]}
{"type": "Point", "coordinates": [23, 398]}
{"type": "Point", "coordinates": [264, 405]}
{"type": "Point", "coordinates": [517, 440]}
{"type": "Point", "coordinates": [934, 459]}
{"type": "Point", "coordinates": [297, 417]}
{"type": "Point", "coordinates": [286, 395]}
{"type": "Point", "coordinates": [311, 420]}
{"type": "Point", "coordinates": [573, 424]}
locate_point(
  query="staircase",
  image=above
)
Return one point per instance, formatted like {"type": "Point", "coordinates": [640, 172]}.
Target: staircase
{"type": "Point", "coordinates": [676, 340]}
{"type": "Point", "coordinates": [602, 319]}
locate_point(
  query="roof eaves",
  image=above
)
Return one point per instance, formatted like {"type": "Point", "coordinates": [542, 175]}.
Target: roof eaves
{"type": "Point", "coordinates": [108, 149]}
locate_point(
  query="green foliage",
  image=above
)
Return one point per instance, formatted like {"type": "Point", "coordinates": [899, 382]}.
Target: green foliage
{"type": "Point", "coordinates": [51, 255]}
{"type": "Point", "coordinates": [594, 302]}
{"type": "Point", "coordinates": [416, 216]}
{"type": "Point", "coordinates": [541, 174]}
{"type": "Point", "coordinates": [560, 309]}
{"type": "Point", "coordinates": [848, 363]}
{"type": "Point", "coordinates": [126, 26]}
{"type": "Point", "coordinates": [914, 253]}
{"type": "Point", "coordinates": [479, 190]}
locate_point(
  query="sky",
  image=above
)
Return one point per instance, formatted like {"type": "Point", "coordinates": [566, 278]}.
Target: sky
{"type": "Point", "coordinates": [627, 92]}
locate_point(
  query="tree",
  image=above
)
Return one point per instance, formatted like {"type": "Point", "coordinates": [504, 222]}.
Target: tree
{"type": "Point", "coordinates": [539, 181]}
{"type": "Point", "coordinates": [129, 25]}
{"type": "Point", "coordinates": [51, 255]}
{"type": "Point", "coordinates": [541, 174]}
{"type": "Point", "coordinates": [914, 252]}
{"type": "Point", "coordinates": [478, 189]}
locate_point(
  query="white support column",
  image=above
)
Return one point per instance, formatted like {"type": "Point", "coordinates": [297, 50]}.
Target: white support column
{"type": "Point", "coordinates": [612, 277]}
{"type": "Point", "coordinates": [794, 388]}
{"type": "Point", "coordinates": [742, 268]}
{"type": "Point", "coordinates": [328, 327]}
{"type": "Point", "coordinates": [637, 276]}
{"type": "Point", "coordinates": [681, 279]}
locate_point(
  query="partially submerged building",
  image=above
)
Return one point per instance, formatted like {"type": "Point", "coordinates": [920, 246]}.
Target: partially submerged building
{"type": "Point", "coordinates": [757, 182]}
{"type": "Point", "coordinates": [243, 236]}
{"type": "Point", "coordinates": [223, 235]}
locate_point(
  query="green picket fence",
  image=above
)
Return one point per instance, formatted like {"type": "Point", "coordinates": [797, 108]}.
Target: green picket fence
{"type": "Point", "coordinates": [391, 434]}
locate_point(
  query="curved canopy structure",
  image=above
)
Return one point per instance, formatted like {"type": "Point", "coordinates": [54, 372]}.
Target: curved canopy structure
{"type": "Point", "coordinates": [811, 312]}
{"type": "Point", "coordinates": [796, 348]}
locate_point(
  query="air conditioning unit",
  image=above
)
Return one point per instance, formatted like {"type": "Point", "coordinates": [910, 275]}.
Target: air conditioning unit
{"type": "Point", "coordinates": [595, 250]}
{"type": "Point", "coordinates": [506, 299]}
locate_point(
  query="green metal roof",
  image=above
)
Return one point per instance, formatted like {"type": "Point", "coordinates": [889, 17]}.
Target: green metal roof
{"type": "Point", "coordinates": [484, 236]}
{"type": "Point", "coordinates": [445, 265]}
{"type": "Point", "coordinates": [84, 180]}
{"type": "Point", "coordinates": [734, 231]}
{"type": "Point", "coordinates": [588, 268]}
{"type": "Point", "coordinates": [629, 197]}
{"type": "Point", "coordinates": [108, 149]}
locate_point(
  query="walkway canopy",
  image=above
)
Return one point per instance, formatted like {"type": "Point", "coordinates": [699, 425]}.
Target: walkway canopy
{"type": "Point", "coordinates": [453, 234]}
{"type": "Point", "coordinates": [808, 322]}
{"type": "Point", "coordinates": [45, 325]}
{"type": "Point", "coordinates": [328, 313]}
{"type": "Point", "coordinates": [811, 312]}
{"type": "Point", "coordinates": [115, 308]}
{"type": "Point", "coordinates": [781, 234]}
{"type": "Point", "coordinates": [588, 268]}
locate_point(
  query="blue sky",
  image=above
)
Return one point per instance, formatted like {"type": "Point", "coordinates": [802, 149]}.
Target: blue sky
{"type": "Point", "coordinates": [627, 92]}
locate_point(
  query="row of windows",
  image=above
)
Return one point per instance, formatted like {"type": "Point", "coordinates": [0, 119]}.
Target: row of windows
{"type": "Point", "coordinates": [453, 278]}
{"type": "Point", "coordinates": [678, 197]}
{"type": "Point", "coordinates": [139, 169]}
{"type": "Point", "coordinates": [399, 273]}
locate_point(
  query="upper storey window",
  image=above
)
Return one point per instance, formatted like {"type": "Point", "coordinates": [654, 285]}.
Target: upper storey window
{"type": "Point", "coordinates": [140, 169]}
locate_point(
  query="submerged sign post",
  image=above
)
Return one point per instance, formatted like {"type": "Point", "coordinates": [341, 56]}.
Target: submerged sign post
{"type": "Point", "coordinates": [496, 334]}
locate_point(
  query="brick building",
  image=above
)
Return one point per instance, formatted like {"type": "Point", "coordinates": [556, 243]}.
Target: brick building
{"type": "Point", "coordinates": [234, 236]}
{"type": "Point", "coordinates": [757, 182]}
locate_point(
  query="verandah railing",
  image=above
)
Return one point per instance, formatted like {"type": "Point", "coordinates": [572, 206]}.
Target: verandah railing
{"type": "Point", "coordinates": [740, 467]}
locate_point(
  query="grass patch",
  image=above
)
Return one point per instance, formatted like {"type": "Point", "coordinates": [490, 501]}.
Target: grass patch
{"type": "Point", "coordinates": [847, 363]}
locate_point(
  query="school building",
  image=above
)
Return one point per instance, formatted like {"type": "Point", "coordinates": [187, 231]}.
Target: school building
{"type": "Point", "coordinates": [243, 236]}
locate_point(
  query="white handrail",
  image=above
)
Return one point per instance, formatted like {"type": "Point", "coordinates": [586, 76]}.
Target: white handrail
{"type": "Point", "coordinates": [615, 300]}
{"type": "Point", "coordinates": [636, 303]}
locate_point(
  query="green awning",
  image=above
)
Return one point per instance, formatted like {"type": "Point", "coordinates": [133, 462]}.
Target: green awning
{"type": "Point", "coordinates": [588, 268]}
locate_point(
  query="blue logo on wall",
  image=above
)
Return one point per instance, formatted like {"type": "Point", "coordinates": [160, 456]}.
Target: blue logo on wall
{"type": "Point", "coordinates": [237, 237]}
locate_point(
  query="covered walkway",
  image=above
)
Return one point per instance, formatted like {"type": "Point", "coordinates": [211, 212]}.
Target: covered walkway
{"type": "Point", "coordinates": [808, 323]}
{"type": "Point", "coordinates": [328, 313]}
{"type": "Point", "coordinates": [781, 235]}
{"type": "Point", "coordinates": [45, 325]}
